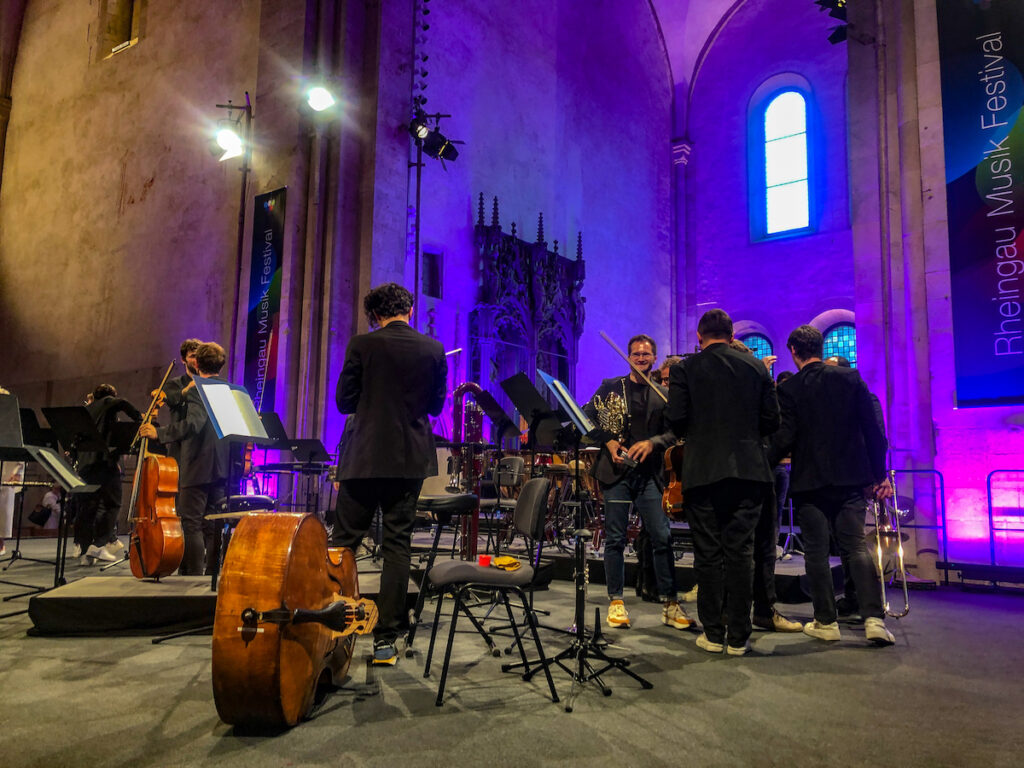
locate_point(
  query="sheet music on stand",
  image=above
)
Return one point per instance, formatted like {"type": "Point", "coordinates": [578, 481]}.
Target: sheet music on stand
{"type": "Point", "coordinates": [231, 411]}
{"type": "Point", "coordinates": [576, 415]}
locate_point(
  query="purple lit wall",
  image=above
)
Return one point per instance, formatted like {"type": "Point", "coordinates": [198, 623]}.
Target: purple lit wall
{"type": "Point", "coordinates": [772, 285]}
{"type": "Point", "coordinates": [565, 110]}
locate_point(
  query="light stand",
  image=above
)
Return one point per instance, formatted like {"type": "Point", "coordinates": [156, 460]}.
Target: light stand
{"type": "Point", "coordinates": [585, 659]}
{"type": "Point", "coordinates": [246, 163]}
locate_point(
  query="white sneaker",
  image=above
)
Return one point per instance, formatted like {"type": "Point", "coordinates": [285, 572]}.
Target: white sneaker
{"type": "Point", "coordinates": [691, 596]}
{"type": "Point", "coordinates": [828, 632]}
{"type": "Point", "coordinates": [707, 645]}
{"type": "Point", "coordinates": [673, 615]}
{"type": "Point", "coordinates": [100, 553]}
{"type": "Point", "coordinates": [115, 547]}
{"type": "Point", "coordinates": [876, 632]}
{"type": "Point", "coordinates": [76, 551]}
{"type": "Point", "coordinates": [85, 561]}
{"type": "Point", "coordinates": [618, 617]}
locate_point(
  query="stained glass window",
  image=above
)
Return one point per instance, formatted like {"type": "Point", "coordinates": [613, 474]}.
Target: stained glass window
{"type": "Point", "coordinates": [841, 339]}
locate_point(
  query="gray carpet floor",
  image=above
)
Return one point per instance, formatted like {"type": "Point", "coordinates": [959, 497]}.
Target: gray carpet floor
{"type": "Point", "coordinates": [948, 694]}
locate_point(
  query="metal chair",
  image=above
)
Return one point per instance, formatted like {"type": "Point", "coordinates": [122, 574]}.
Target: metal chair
{"type": "Point", "coordinates": [459, 577]}
{"type": "Point", "coordinates": [507, 476]}
{"type": "Point", "coordinates": [443, 506]}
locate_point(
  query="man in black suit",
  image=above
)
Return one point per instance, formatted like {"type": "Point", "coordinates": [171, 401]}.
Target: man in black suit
{"type": "Point", "coordinates": [829, 424]}
{"type": "Point", "coordinates": [203, 465]}
{"type": "Point", "coordinates": [392, 380]}
{"type": "Point", "coordinates": [634, 436]}
{"type": "Point", "coordinates": [723, 403]}
{"type": "Point", "coordinates": [96, 518]}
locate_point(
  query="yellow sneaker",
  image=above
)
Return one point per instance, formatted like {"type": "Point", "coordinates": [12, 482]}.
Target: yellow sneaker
{"type": "Point", "coordinates": [617, 615]}
{"type": "Point", "coordinates": [673, 615]}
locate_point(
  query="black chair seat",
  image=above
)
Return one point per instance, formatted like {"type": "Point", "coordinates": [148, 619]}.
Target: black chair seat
{"type": "Point", "coordinates": [250, 503]}
{"type": "Point", "coordinates": [463, 572]}
{"type": "Point", "coordinates": [448, 503]}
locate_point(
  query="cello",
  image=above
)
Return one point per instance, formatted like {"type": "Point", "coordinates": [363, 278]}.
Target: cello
{"type": "Point", "coordinates": [156, 544]}
{"type": "Point", "coordinates": [288, 612]}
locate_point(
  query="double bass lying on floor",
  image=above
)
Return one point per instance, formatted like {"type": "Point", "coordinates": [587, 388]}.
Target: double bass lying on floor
{"type": "Point", "coordinates": [288, 611]}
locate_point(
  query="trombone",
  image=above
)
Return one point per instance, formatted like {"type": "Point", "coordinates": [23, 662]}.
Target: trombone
{"type": "Point", "coordinates": [889, 544]}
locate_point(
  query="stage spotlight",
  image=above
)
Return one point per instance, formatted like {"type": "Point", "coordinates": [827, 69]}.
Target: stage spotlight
{"type": "Point", "coordinates": [229, 140]}
{"type": "Point", "coordinates": [435, 144]}
{"type": "Point", "coordinates": [418, 128]}
{"type": "Point", "coordinates": [319, 99]}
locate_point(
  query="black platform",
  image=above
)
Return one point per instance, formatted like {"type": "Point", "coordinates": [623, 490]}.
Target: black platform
{"type": "Point", "coordinates": [99, 605]}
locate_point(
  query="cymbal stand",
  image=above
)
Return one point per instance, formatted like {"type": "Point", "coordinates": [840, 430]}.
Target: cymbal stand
{"type": "Point", "coordinates": [585, 660]}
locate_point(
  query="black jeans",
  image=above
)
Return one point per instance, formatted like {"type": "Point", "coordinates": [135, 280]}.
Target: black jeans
{"type": "Point", "coordinates": [839, 511]}
{"type": "Point", "coordinates": [96, 516]}
{"type": "Point", "coordinates": [194, 503]}
{"type": "Point", "coordinates": [357, 501]}
{"type": "Point", "coordinates": [766, 539]}
{"type": "Point", "coordinates": [722, 517]}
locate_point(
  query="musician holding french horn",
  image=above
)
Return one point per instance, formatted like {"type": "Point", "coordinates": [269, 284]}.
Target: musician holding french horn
{"type": "Point", "coordinates": [630, 412]}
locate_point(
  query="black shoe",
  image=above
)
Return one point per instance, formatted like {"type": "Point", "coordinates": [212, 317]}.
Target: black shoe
{"type": "Point", "coordinates": [846, 607]}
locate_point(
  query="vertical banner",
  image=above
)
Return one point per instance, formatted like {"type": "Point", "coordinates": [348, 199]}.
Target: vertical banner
{"type": "Point", "coordinates": [981, 49]}
{"type": "Point", "coordinates": [265, 272]}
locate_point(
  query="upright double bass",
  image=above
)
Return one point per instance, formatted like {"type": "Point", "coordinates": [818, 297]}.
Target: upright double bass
{"type": "Point", "coordinates": [156, 544]}
{"type": "Point", "coordinates": [288, 612]}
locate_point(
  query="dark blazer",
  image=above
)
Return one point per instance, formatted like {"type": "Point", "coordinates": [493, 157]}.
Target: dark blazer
{"type": "Point", "coordinates": [830, 425]}
{"type": "Point", "coordinates": [202, 456]}
{"type": "Point", "coordinates": [662, 436]}
{"type": "Point", "coordinates": [177, 408]}
{"type": "Point", "coordinates": [392, 380]}
{"type": "Point", "coordinates": [722, 402]}
{"type": "Point", "coordinates": [104, 414]}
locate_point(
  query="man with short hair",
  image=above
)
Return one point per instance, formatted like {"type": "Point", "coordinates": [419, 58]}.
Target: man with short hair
{"type": "Point", "coordinates": [203, 467]}
{"type": "Point", "coordinates": [829, 424]}
{"type": "Point", "coordinates": [174, 389]}
{"type": "Point", "coordinates": [722, 402]}
{"type": "Point", "coordinates": [634, 436]}
{"type": "Point", "coordinates": [392, 381]}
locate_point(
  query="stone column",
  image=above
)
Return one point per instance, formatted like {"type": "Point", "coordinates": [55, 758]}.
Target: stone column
{"type": "Point", "coordinates": [891, 281]}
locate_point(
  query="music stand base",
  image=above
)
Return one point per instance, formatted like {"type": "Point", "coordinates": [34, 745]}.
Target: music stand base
{"type": "Point", "coordinates": [585, 649]}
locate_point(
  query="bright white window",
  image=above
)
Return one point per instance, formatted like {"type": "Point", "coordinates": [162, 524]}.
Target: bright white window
{"type": "Point", "coordinates": [787, 201]}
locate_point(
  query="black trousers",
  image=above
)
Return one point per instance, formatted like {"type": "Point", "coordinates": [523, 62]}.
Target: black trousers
{"type": "Point", "coordinates": [766, 539]}
{"type": "Point", "coordinates": [722, 517]}
{"type": "Point", "coordinates": [194, 503]}
{"type": "Point", "coordinates": [838, 511]}
{"type": "Point", "coordinates": [358, 499]}
{"type": "Point", "coordinates": [96, 516]}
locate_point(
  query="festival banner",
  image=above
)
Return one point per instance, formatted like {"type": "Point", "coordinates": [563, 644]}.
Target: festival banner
{"type": "Point", "coordinates": [981, 48]}
{"type": "Point", "coordinates": [264, 305]}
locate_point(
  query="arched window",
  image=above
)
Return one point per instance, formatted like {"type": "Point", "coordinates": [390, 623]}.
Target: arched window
{"type": "Point", "coordinates": [759, 344]}
{"type": "Point", "coordinates": [841, 339]}
{"type": "Point", "coordinates": [780, 158]}
{"type": "Point", "coordinates": [787, 198]}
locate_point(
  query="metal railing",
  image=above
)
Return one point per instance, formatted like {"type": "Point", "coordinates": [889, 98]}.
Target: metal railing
{"type": "Point", "coordinates": [993, 529]}
{"type": "Point", "coordinates": [941, 508]}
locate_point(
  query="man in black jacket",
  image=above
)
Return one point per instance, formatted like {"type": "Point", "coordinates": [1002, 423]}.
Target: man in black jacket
{"type": "Point", "coordinates": [174, 390]}
{"type": "Point", "coordinates": [723, 403]}
{"type": "Point", "coordinates": [203, 466]}
{"type": "Point", "coordinates": [96, 518]}
{"type": "Point", "coordinates": [829, 423]}
{"type": "Point", "coordinates": [392, 380]}
{"type": "Point", "coordinates": [634, 436]}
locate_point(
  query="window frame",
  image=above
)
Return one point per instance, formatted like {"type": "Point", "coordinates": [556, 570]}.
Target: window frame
{"type": "Point", "coordinates": [757, 185]}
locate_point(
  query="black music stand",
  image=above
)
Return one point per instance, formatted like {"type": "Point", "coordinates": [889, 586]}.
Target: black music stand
{"type": "Point", "coordinates": [585, 645]}
{"type": "Point", "coordinates": [543, 422]}
{"type": "Point", "coordinates": [13, 448]}
{"type": "Point", "coordinates": [233, 415]}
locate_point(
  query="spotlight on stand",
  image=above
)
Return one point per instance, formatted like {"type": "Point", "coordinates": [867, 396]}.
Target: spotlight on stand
{"type": "Point", "coordinates": [431, 141]}
{"type": "Point", "coordinates": [435, 144]}
{"type": "Point", "coordinates": [227, 139]}
{"type": "Point", "coordinates": [319, 98]}
{"type": "Point", "coordinates": [418, 128]}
